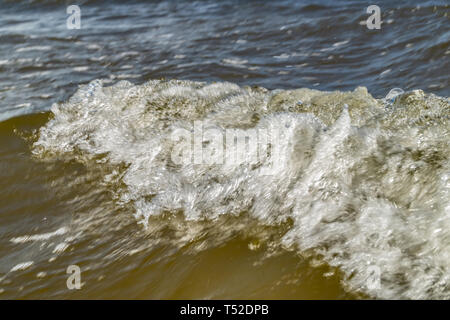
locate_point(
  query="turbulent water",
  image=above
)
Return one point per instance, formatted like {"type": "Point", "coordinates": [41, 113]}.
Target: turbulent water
{"type": "Point", "coordinates": [362, 182]}
{"type": "Point", "coordinates": [283, 162]}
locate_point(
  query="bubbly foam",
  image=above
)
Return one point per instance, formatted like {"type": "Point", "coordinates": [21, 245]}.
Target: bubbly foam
{"type": "Point", "coordinates": [364, 181]}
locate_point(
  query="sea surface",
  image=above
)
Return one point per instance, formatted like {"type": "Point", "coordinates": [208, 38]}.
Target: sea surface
{"type": "Point", "coordinates": [349, 200]}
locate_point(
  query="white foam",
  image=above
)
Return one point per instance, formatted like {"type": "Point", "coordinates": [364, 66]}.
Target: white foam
{"type": "Point", "coordinates": [39, 237]}
{"type": "Point", "coordinates": [34, 48]}
{"type": "Point", "coordinates": [366, 187]}
{"type": "Point", "coordinates": [22, 266]}
{"type": "Point", "coordinates": [235, 61]}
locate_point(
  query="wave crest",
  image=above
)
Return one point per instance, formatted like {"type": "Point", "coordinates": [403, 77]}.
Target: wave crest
{"type": "Point", "coordinates": [365, 181]}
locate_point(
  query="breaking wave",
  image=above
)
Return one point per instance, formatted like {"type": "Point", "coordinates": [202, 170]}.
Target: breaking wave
{"type": "Point", "coordinates": [364, 182]}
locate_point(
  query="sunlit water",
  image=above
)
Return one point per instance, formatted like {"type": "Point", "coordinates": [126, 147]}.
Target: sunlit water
{"type": "Point", "coordinates": [356, 186]}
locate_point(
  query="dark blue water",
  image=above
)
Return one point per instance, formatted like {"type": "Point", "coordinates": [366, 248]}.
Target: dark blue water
{"type": "Point", "coordinates": [276, 44]}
